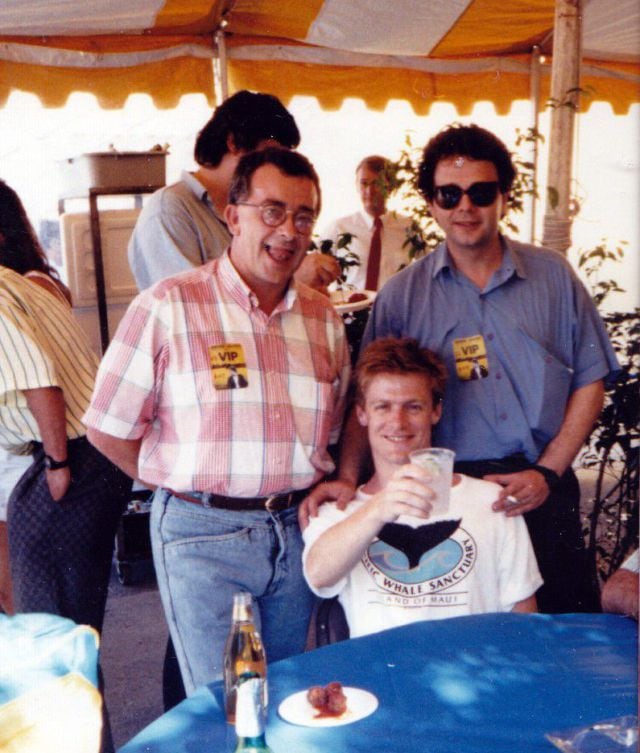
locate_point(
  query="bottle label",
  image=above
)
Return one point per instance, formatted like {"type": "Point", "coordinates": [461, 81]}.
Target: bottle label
{"type": "Point", "coordinates": [250, 710]}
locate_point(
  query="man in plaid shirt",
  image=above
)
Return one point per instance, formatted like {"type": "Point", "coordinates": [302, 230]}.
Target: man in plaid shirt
{"type": "Point", "coordinates": [222, 389]}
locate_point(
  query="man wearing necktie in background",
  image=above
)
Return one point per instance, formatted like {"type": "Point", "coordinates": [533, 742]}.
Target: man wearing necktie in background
{"type": "Point", "coordinates": [378, 235]}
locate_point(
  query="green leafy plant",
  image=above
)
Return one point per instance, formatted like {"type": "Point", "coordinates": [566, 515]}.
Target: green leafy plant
{"type": "Point", "coordinates": [592, 261]}
{"type": "Point", "coordinates": [613, 449]}
{"type": "Point", "coordinates": [341, 250]}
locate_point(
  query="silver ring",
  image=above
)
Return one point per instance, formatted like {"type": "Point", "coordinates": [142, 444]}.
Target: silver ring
{"type": "Point", "coordinates": [512, 500]}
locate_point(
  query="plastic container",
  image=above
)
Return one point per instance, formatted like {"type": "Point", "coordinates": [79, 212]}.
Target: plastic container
{"type": "Point", "coordinates": [111, 170]}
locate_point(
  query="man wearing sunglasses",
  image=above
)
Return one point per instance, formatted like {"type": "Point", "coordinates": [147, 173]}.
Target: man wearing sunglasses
{"type": "Point", "coordinates": [525, 350]}
{"type": "Point", "coordinates": [223, 388]}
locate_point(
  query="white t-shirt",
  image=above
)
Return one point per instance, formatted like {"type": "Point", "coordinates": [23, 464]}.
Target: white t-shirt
{"type": "Point", "coordinates": [439, 568]}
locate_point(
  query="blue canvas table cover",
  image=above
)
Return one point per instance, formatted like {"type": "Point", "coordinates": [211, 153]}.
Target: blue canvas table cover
{"type": "Point", "coordinates": [482, 684]}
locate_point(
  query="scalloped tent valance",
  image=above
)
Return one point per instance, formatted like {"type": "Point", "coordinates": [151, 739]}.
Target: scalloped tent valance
{"type": "Point", "coordinates": [459, 51]}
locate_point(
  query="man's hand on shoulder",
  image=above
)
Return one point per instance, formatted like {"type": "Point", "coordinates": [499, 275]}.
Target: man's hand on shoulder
{"type": "Point", "coordinates": [521, 492]}
{"type": "Point", "coordinates": [338, 491]}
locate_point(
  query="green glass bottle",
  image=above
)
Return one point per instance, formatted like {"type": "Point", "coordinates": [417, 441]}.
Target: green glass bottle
{"type": "Point", "coordinates": [250, 715]}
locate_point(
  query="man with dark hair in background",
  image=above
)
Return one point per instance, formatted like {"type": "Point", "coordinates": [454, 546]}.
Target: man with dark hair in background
{"type": "Point", "coordinates": [182, 225]}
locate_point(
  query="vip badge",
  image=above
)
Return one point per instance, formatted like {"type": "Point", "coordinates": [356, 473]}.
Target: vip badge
{"type": "Point", "coordinates": [228, 366]}
{"type": "Point", "coordinates": [470, 354]}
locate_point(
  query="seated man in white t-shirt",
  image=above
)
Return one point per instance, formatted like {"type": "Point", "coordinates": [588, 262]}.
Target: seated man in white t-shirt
{"type": "Point", "coordinates": [391, 561]}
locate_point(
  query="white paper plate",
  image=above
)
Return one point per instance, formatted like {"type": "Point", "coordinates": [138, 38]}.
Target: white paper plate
{"type": "Point", "coordinates": [297, 710]}
{"type": "Point", "coordinates": [342, 306]}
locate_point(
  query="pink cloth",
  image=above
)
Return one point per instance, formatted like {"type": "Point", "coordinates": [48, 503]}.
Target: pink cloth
{"type": "Point", "coordinates": [156, 382]}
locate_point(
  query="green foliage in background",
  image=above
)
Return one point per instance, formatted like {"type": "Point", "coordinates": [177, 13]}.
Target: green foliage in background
{"type": "Point", "coordinates": [613, 449]}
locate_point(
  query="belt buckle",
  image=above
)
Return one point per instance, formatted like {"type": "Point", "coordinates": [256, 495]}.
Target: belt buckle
{"type": "Point", "coordinates": [271, 504]}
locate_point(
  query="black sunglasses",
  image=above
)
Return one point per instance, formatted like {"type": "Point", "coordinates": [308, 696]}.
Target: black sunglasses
{"type": "Point", "coordinates": [480, 194]}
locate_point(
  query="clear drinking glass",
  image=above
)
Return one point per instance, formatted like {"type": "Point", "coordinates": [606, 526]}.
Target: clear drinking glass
{"type": "Point", "coordinates": [439, 462]}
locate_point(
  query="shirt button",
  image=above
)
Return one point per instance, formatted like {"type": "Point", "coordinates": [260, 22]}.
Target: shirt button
{"type": "Point", "coordinates": [490, 336]}
{"type": "Point", "coordinates": [498, 375]}
{"type": "Point", "coordinates": [503, 416]}
{"type": "Point", "coordinates": [548, 359]}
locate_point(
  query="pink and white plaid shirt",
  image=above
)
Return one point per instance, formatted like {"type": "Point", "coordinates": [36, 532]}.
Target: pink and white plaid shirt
{"type": "Point", "coordinates": [266, 435]}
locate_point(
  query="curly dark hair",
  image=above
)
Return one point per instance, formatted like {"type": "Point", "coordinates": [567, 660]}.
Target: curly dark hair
{"type": "Point", "coordinates": [465, 141]}
{"type": "Point", "coordinates": [249, 118]}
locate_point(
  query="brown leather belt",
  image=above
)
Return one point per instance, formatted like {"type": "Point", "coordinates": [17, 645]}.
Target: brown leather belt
{"type": "Point", "coordinates": [275, 503]}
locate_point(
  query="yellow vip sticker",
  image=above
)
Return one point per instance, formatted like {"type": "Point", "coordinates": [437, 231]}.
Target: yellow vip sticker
{"type": "Point", "coordinates": [470, 354]}
{"type": "Point", "coordinates": [228, 366]}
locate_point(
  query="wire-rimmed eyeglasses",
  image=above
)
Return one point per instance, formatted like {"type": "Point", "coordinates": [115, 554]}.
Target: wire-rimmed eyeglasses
{"type": "Point", "coordinates": [274, 215]}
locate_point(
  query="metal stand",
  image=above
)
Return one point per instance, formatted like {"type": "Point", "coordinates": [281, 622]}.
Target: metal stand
{"type": "Point", "coordinates": [96, 243]}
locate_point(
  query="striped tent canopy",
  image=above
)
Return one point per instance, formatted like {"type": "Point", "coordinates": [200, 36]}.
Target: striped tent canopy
{"type": "Point", "coordinates": [423, 51]}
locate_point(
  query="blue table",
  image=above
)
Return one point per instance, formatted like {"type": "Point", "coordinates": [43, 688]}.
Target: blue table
{"type": "Point", "coordinates": [483, 684]}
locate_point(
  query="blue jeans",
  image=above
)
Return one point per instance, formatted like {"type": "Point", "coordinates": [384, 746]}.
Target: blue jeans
{"type": "Point", "coordinates": [202, 556]}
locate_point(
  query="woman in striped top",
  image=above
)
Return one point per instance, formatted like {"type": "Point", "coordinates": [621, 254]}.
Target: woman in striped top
{"type": "Point", "coordinates": [20, 251]}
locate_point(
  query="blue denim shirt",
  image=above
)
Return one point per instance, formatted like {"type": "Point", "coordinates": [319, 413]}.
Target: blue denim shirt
{"type": "Point", "coordinates": [542, 334]}
{"type": "Point", "coordinates": [176, 230]}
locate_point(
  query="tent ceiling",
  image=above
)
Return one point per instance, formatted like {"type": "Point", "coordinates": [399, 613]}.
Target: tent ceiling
{"type": "Point", "coordinates": [458, 51]}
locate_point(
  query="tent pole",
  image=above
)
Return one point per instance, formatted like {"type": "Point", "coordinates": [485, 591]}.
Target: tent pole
{"type": "Point", "coordinates": [565, 96]}
{"type": "Point", "coordinates": [535, 104]}
{"type": "Point", "coordinates": [220, 70]}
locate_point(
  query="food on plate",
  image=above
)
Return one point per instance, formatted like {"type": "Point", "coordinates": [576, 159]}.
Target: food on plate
{"type": "Point", "coordinates": [355, 297]}
{"type": "Point", "coordinates": [328, 700]}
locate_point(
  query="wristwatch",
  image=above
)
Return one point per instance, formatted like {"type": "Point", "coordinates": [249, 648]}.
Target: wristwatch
{"type": "Point", "coordinates": [54, 465]}
{"type": "Point", "coordinates": [550, 476]}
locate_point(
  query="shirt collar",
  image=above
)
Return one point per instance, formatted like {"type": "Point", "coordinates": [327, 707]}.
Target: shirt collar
{"type": "Point", "coordinates": [243, 294]}
{"type": "Point", "coordinates": [441, 260]}
{"type": "Point", "coordinates": [511, 261]}
{"type": "Point", "coordinates": [200, 192]}
{"type": "Point", "coordinates": [194, 185]}
{"type": "Point", "coordinates": [368, 219]}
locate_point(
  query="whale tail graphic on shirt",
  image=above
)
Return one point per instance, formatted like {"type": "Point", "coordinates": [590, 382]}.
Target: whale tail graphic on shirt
{"type": "Point", "coordinates": [414, 542]}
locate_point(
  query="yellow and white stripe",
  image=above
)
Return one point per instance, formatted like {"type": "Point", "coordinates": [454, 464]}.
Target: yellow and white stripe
{"type": "Point", "coordinates": [41, 345]}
